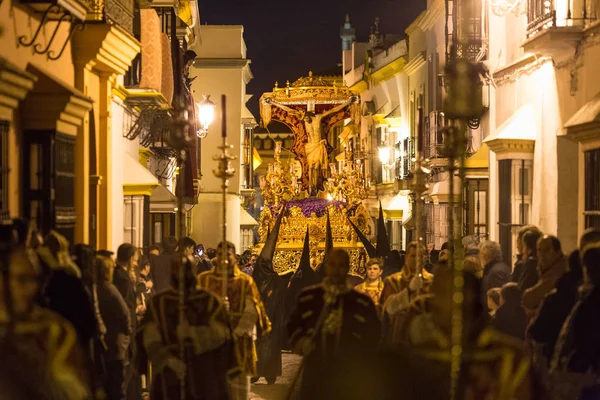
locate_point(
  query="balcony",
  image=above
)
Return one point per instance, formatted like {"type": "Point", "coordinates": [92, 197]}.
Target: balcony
{"type": "Point", "coordinates": [555, 27]}
{"type": "Point", "coordinates": [434, 138]}
{"type": "Point", "coordinates": [404, 165]}
{"type": "Point", "coordinates": [119, 12]}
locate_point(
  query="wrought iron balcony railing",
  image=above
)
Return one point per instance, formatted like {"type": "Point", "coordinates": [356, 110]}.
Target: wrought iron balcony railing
{"type": "Point", "coordinates": [119, 12]}
{"type": "Point", "coordinates": [434, 139]}
{"type": "Point", "coordinates": [544, 14]}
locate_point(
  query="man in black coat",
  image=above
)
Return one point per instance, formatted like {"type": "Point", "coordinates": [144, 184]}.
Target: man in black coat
{"type": "Point", "coordinates": [160, 266]}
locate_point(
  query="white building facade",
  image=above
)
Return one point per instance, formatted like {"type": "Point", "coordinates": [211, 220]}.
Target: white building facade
{"type": "Point", "coordinates": [222, 68]}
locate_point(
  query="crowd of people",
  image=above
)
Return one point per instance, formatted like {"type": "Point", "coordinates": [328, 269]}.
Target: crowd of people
{"type": "Point", "coordinates": [80, 323]}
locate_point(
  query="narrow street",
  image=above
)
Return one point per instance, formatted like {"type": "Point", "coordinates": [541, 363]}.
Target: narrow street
{"type": "Point", "coordinates": [261, 391]}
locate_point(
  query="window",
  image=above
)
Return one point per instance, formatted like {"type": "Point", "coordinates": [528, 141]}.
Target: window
{"type": "Point", "coordinates": [48, 178]}
{"type": "Point", "coordinates": [133, 220]}
{"type": "Point", "coordinates": [4, 171]}
{"type": "Point", "coordinates": [475, 210]}
{"type": "Point", "coordinates": [591, 212]}
{"type": "Point", "coordinates": [514, 199]}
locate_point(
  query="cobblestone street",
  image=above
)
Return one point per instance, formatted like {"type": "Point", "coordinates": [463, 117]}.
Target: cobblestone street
{"type": "Point", "coordinates": [261, 391]}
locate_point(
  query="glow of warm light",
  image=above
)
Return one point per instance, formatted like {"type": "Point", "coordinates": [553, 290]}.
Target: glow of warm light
{"type": "Point", "coordinates": [329, 197]}
{"type": "Point", "coordinates": [206, 113]}
{"type": "Point", "coordinates": [385, 154]}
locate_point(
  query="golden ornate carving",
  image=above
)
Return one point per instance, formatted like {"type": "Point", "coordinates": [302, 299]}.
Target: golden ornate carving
{"type": "Point", "coordinates": [293, 228]}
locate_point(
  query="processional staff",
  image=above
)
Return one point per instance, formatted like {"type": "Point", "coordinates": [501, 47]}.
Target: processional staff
{"type": "Point", "coordinates": [419, 186]}
{"type": "Point", "coordinates": [224, 171]}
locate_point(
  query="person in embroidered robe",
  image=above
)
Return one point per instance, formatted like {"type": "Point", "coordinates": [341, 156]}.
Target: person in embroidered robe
{"type": "Point", "coordinates": [209, 347]}
{"type": "Point", "coordinates": [246, 311]}
{"type": "Point", "coordinates": [399, 291]}
{"type": "Point", "coordinates": [373, 284]}
{"type": "Point", "coordinates": [335, 328]}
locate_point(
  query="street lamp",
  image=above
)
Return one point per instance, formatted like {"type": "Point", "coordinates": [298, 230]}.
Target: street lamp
{"type": "Point", "coordinates": [385, 155]}
{"type": "Point", "coordinates": [206, 115]}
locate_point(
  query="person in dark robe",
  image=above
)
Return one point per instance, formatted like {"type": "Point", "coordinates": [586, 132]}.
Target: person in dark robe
{"type": "Point", "coordinates": [272, 292]}
{"type": "Point", "coordinates": [209, 356]}
{"type": "Point", "coordinates": [328, 247]}
{"type": "Point", "coordinates": [302, 278]}
{"type": "Point", "coordinates": [336, 329]}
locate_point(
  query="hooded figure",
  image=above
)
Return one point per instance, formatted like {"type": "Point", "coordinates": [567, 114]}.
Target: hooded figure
{"type": "Point", "coordinates": [272, 291]}
{"type": "Point", "coordinates": [304, 277]}
{"type": "Point", "coordinates": [328, 246]}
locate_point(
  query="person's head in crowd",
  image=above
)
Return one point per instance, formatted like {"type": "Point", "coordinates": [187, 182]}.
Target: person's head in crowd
{"type": "Point", "coordinates": [186, 246]}
{"type": "Point", "coordinates": [245, 258]}
{"type": "Point", "coordinates": [55, 253]}
{"type": "Point", "coordinates": [443, 292]}
{"type": "Point", "coordinates": [575, 267]}
{"type": "Point", "coordinates": [445, 246]}
{"type": "Point", "coordinates": [520, 233]}
{"type": "Point", "coordinates": [549, 251]}
{"type": "Point", "coordinates": [489, 252]}
{"type": "Point", "coordinates": [253, 258]}
{"type": "Point", "coordinates": [211, 253]}
{"type": "Point", "coordinates": [231, 256]}
{"type": "Point", "coordinates": [410, 260]}
{"type": "Point", "coordinates": [127, 256]}
{"type": "Point", "coordinates": [144, 267]}
{"type": "Point", "coordinates": [22, 270]}
{"type": "Point", "coordinates": [85, 258]}
{"type": "Point", "coordinates": [471, 245]}
{"type": "Point", "coordinates": [530, 239]}
{"type": "Point", "coordinates": [591, 235]}
{"type": "Point", "coordinates": [493, 300]}
{"type": "Point", "coordinates": [154, 250]}
{"type": "Point", "coordinates": [169, 244]}
{"type": "Point", "coordinates": [337, 266]}
{"type": "Point", "coordinates": [374, 269]}
{"type": "Point", "coordinates": [511, 295]}
{"type": "Point", "coordinates": [591, 263]}
{"type": "Point", "coordinates": [104, 269]}
{"type": "Point", "coordinates": [471, 264]}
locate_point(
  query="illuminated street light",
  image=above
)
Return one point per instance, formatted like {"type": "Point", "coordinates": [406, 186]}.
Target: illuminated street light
{"type": "Point", "coordinates": [206, 115]}
{"type": "Point", "coordinates": [385, 156]}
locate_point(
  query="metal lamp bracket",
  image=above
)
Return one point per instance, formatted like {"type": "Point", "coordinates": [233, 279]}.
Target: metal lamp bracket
{"type": "Point", "coordinates": [50, 15]}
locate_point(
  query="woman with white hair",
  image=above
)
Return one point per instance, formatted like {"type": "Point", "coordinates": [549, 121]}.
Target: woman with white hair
{"type": "Point", "coordinates": [495, 272]}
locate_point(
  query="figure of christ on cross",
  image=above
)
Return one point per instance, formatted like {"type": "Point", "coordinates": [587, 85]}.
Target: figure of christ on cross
{"type": "Point", "coordinates": [316, 147]}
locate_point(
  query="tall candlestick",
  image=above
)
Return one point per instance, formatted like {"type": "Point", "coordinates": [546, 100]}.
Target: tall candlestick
{"type": "Point", "coordinates": [223, 116]}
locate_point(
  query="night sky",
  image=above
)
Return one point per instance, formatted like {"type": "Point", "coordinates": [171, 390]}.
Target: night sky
{"type": "Point", "coordinates": [286, 39]}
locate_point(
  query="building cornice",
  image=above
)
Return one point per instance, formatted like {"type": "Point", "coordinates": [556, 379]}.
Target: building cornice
{"type": "Point", "coordinates": [108, 48]}
{"type": "Point", "coordinates": [432, 15]}
{"type": "Point", "coordinates": [139, 189]}
{"type": "Point", "coordinates": [388, 71]}
{"type": "Point", "coordinates": [522, 66]}
{"type": "Point", "coordinates": [68, 110]}
{"type": "Point", "coordinates": [415, 24]}
{"type": "Point", "coordinates": [15, 83]}
{"type": "Point", "coordinates": [506, 146]}
{"type": "Point", "coordinates": [417, 62]}
{"type": "Point", "coordinates": [224, 63]}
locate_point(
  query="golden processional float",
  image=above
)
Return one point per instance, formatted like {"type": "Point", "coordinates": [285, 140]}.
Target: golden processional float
{"type": "Point", "coordinates": [305, 182]}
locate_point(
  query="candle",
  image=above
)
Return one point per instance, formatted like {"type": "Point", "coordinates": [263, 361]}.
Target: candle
{"type": "Point", "coordinates": [420, 133]}
{"type": "Point", "coordinates": [223, 116]}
